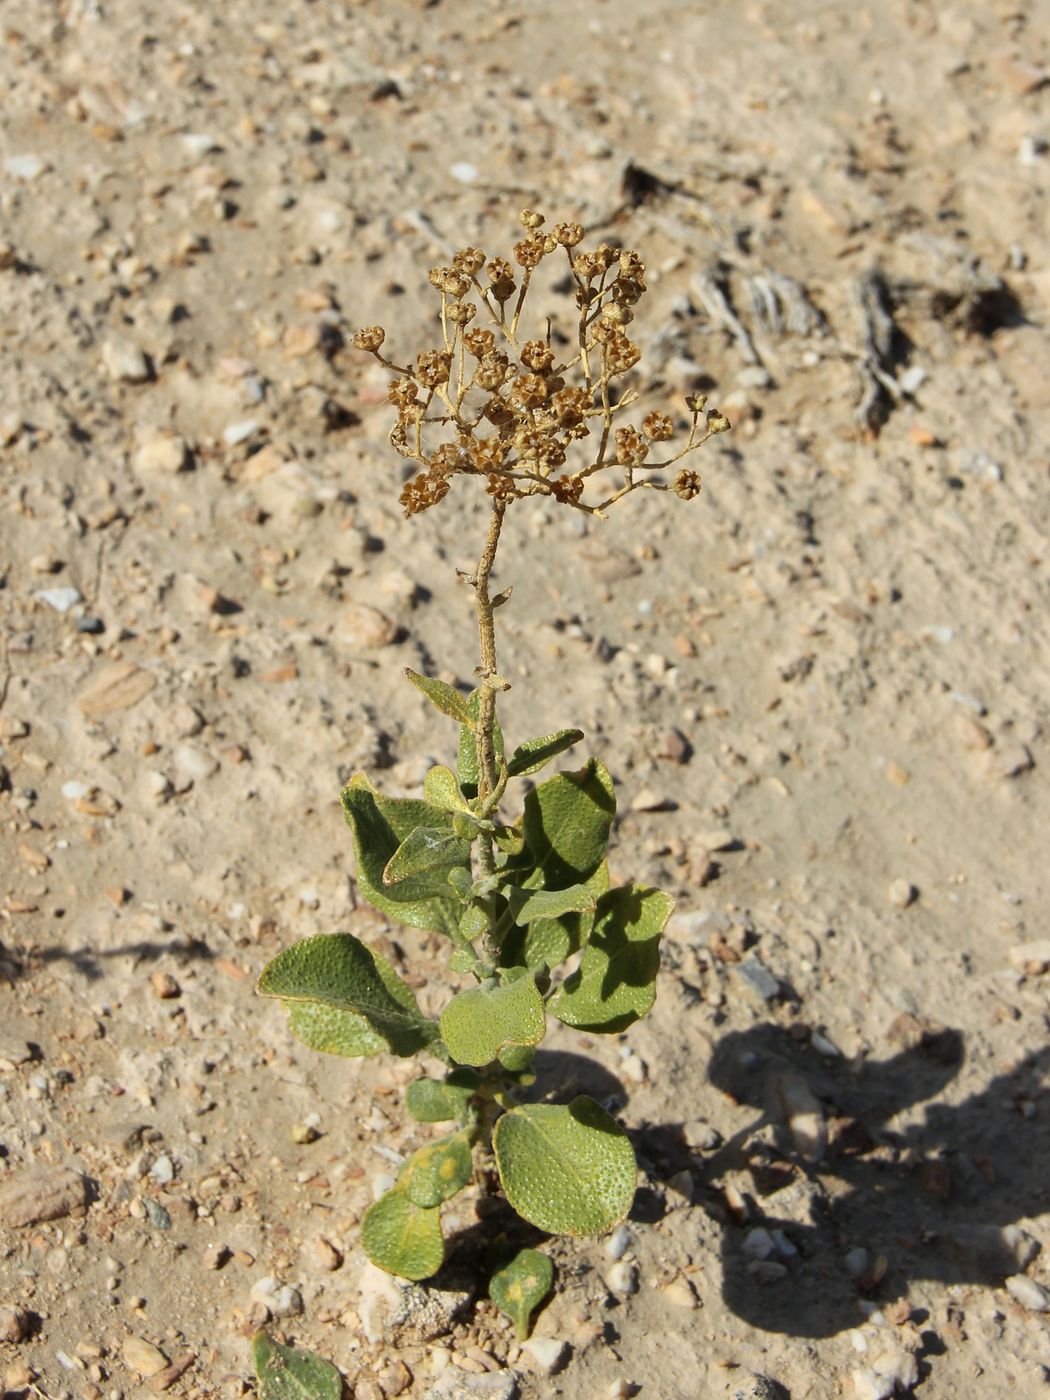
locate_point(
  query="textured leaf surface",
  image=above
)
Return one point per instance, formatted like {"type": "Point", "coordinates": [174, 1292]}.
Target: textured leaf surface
{"type": "Point", "coordinates": [615, 982]}
{"type": "Point", "coordinates": [520, 1286]}
{"type": "Point", "coordinates": [478, 1024]}
{"type": "Point", "coordinates": [437, 1171]}
{"type": "Point", "coordinates": [337, 970]}
{"type": "Point", "coordinates": [403, 1238]}
{"type": "Point", "coordinates": [441, 789]}
{"type": "Point", "coordinates": [426, 848]}
{"type": "Point", "coordinates": [289, 1373]}
{"type": "Point", "coordinates": [333, 1032]}
{"type": "Point", "coordinates": [531, 756]}
{"type": "Point", "coordinates": [568, 1170]}
{"type": "Point", "coordinates": [434, 1101]}
{"type": "Point", "coordinates": [548, 942]}
{"type": "Point", "coordinates": [566, 823]}
{"type": "Point", "coordinates": [379, 825]}
{"type": "Point", "coordinates": [527, 905]}
{"type": "Point", "coordinates": [442, 696]}
{"type": "Point", "coordinates": [467, 764]}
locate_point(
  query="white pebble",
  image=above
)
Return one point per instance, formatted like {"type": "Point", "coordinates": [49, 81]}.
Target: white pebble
{"type": "Point", "coordinates": [240, 432]}
{"type": "Point", "coordinates": [619, 1242]}
{"type": "Point", "coordinates": [464, 172]}
{"type": "Point", "coordinates": [61, 599]}
{"type": "Point", "coordinates": [27, 167]}
{"type": "Point", "coordinates": [622, 1278]}
{"type": "Point", "coordinates": [549, 1353]}
{"type": "Point", "coordinates": [1028, 1293]}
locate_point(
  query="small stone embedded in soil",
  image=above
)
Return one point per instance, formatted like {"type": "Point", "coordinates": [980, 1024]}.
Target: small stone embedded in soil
{"type": "Point", "coordinates": [215, 1256]}
{"type": "Point", "coordinates": [125, 362]}
{"type": "Point", "coordinates": [759, 978]}
{"type": "Point", "coordinates": [60, 599]}
{"type": "Point", "coordinates": [457, 1384]}
{"type": "Point", "coordinates": [680, 1293]}
{"type": "Point", "coordinates": [164, 454]}
{"type": "Point", "coordinates": [364, 626]}
{"type": "Point", "coordinates": [118, 686]}
{"type": "Point", "coordinates": [164, 985]}
{"type": "Point", "coordinates": [619, 1242]}
{"type": "Point", "coordinates": [548, 1354]}
{"type": "Point", "coordinates": [622, 1278]}
{"type": "Point", "coordinates": [1028, 1293]}
{"type": "Point", "coordinates": [901, 893]}
{"type": "Point", "coordinates": [142, 1356]}
{"type": "Point", "coordinates": [14, 1325]}
{"type": "Point", "coordinates": [281, 1300]}
{"type": "Point", "coordinates": [1033, 958]}
{"type": "Point", "coordinates": [36, 1194]}
{"type": "Point", "coordinates": [325, 1255]}
{"type": "Point", "coordinates": [1010, 761]}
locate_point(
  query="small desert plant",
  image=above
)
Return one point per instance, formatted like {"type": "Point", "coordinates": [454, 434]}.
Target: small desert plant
{"type": "Point", "coordinates": [517, 899]}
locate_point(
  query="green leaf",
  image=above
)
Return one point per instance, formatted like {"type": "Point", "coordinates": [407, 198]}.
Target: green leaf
{"type": "Point", "coordinates": [467, 763]}
{"type": "Point", "coordinates": [441, 789]}
{"type": "Point", "coordinates": [548, 942]}
{"type": "Point", "coordinates": [528, 905]}
{"type": "Point", "coordinates": [333, 1032]}
{"type": "Point", "coordinates": [437, 1171]}
{"type": "Point", "coordinates": [443, 697]}
{"type": "Point", "coordinates": [403, 1238]}
{"type": "Point", "coordinates": [566, 823]}
{"type": "Point", "coordinates": [517, 1059]}
{"type": "Point", "coordinates": [289, 1373]}
{"type": "Point", "coordinates": [520, 1286]}
{"type": "Point", "coordinates": [426, 848]}
{"type": "Point", "coordinates": [380, 825]}
{"type": "Point", "coordinates": [531, 756]}
{"type": "Point", "coordinates": [615, 983]}
{"type": "Point", "coordinates": [337, 970]}
{"type": "Point", "coordinates": [568, 1170]}
{"type": "Point", "coordinates": [431, 1101]}
{"type": "Point", "coordinates": [476, 1025]}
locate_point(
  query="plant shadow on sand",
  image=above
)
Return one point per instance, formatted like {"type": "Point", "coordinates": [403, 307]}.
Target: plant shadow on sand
{"type": "Point", "coordinates": [930, 1196]}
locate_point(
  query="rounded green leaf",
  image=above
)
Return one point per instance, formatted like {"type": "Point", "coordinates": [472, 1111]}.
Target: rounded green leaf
{"type": "Point", "coordinates": [478, 1024]}
{"type": "Point", "coordinates": [338, 970]}
{"type": "Point", "coordinates": [520, 1286]}
{"type": "Point", "coordinates": [615, 983]}
{"type": "Point", "coordinates": [403, 1238]}
{"type": "Point", "coordinates": [566, 823]}
{"type": "Point", "coordinates": [569, 1170]}
{"type": "Point", "coordinates": [290, 1373]}
{"type": "Point", "coordinates": [440, 789]}
{"type": "Point", "coordinates": [431, 1101]}
{"type": "Point", "coordinates": [437, 1171]}
{"type": "Point", "coordinates": [333, 1032]}
{"type": "Point", "coordinates": [425, 849]}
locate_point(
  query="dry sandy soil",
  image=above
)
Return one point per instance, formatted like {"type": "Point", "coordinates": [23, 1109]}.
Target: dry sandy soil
{"type": "Point", "coordinates": [844, 211]}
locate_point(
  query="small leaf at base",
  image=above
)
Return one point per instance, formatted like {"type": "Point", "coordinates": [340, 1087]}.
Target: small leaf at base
{"type": "Point", "coordinates": [520, 1286]}
{"type": "Point", "coordinates": [476, 1025]}
{"type": "Point", "coordinates": [403, 1238]}
{"type": "Point", "coordinates": [435, 1173]}
{"type": "Point", "coordinates": [289, 1373]}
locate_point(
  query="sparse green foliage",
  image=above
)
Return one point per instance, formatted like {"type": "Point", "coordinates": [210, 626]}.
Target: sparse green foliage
{"type": "Point", "coordinates": [517, 889]}
{"type": "Point", "coordinates": [290, 1373]}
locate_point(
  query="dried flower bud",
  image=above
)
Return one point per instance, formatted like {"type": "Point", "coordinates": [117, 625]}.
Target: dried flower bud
{"type": "Point", "coordinates": [402, 392]}
{"type": "Point", "coordinates": [529, 252]}
{"type": "Point", "coordinates": [456, 283]}
{"type": "Point", "coordinates": [620, 353]}
{"type": "Point", "coordinates": [538, 355]}
{"type": "Point", "coordinates": [717, 422]}
{"type": "Point", "coordinates": [529, 390]}
{"type": "Point", "coordinates": [370, 338]}
{"type": "Point", "coordinates": [462, 312]}
{"type": "Point", "coordinates": [631, 448]}
{"type": "Point", "coordinates": [696, 403]}
{"type": "Point", "coordinates": [686, 484]}
{"type": "Point", "coordinates": [433, 368]}
{"type": "Point", "coordinates": [568, 235]}
{"type": "Point", "coordinates": [657, 427]}
{"type": "Point", "coordinates": [567, 489]}
{"type": "Point", "coordinates": [487, 453]}
{"type": "Point", "coordinates": [500, 488]}
{"type": "Point", "coordinates": [530, 219]}
{"type": "Point", "coordinates": [437, 275]}
{"type": "Point", "coordinates": [585, 267]}
{"type": "Point", "coordinates": [469, 261]}
{"type": "Point", "coordinates": [569, 405]}
{"type": "Point", "coordinates": [446, 460]}
{"type": "Point", "coordinates": [479, 342]}
{"type": "Point", "coordinates": [498, 412]}
{"type": "Point", "coordinates": [422, 492]}
{"type": "Point", "coordinates": [604, 256]}
{"type": "Point", "coordinates": [493, 370]}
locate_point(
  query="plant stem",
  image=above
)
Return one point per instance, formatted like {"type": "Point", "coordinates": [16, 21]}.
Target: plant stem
{"type": "Point", "coordinates": [484, 738]}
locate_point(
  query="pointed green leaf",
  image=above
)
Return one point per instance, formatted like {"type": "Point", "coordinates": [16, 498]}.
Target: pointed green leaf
{"type": "Point", "coordinates": [435, 1173]}
{"type": "Point", "coordinates": [467, 764]}
{"type": "Point", "coordinates": [337, 970]}
{"type": "Point", "coordinates": [566, 823]}
{"type": "Point", "coordinates": [379, 825]}
{"type": "Point", "coordinates": [615, 983]}
{"type": "Point", "coordinates": [333, 1032]}
{"type": "Point", "coordinates": [290, 1373]}
{"type": "Point", "coordinates": [434, 1101]}
{"type": "Point", "coordinates": [403, 1238]}
{"type": "Point", "coordinates": [548, 942]}
{"type": "Point", "coordinates": [442, 696]}
{"type": "Point", "coordinates": [476, 1025]}
{"type": "Point", "coordinates": [423, 849]}
{"type": "Point", "coordinates": [568, 1170]}
{"type": "Point", "coordinates": [527, 905]}
{"type": "Point", "coordinates": [531, 756]}
{"type": "Point", "coordinates": [441, 790]}
{"type": "Point", "coordinates": [520, 1286]}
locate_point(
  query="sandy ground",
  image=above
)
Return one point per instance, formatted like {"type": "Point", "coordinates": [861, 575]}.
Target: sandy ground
{"type": "Point", "coordinates": [844, 214]}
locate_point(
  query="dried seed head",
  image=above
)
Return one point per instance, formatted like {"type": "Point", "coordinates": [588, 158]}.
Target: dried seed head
{"type": "Point", "coordinates": [631, 448]}
{"type": "Point", "coordinates": [538, 355]}
{"type": "Point", "coordinates": [530, 219]}
{"type": "Point", "coordinates": [369, 338]}
{"type": "Point", "coordinates": [500, 488]}
{"type": "Point", "coordinates": [717, 422]}
{"type": "Point", "coordinates": [567, 489]}
{"type": "Point", "coordinates": [446, 460]}
{"type": "Point", "coordinates": [529, 390]}
{"type": "Point", "coordinates": [568, 235]}
{"type": "Point", "coordinates": [499, 413]}
{"type": "Point", "coordinates": [569, 405]}
{"type": "Point", "coordinates": [657, 427]}
{"type": "Point", "coordinates": [686, 484]}
{"type": "Point", "coordinates": [620, 353]}
{"type": "Point", "coordinates": [462, 312]}
{"type": "Point", "coordinates": [479, 342]}
{"type": "Point", "coordinates": [469, 261]}
{"type": "Point", "coordinates": [529, 252]}
{"type": "Point", "coordinates": [402, 392]}
{"type": "Point", "coordinates": [493, 370]}
{"type": "Point", "coordinates": [433, 368]}
{"type": "Point", "coordinates": [487, 453]}
{"type": "Point", "coordinates": [696, 403]}
{"type": "Point", "coordinates": [422, 492]}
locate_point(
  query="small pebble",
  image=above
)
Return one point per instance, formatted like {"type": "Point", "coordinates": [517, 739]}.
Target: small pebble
{"type": "Point", "coordinates": [164, 454]}
{"type": "Point", "coordinates": [26, 168]}
{"type": "Point", "coordinates": [61, 599]}
{"type": "Point", "coordinates": [281, 1300]}
{"type": "Point", "coordinates": [142, 1356]}
{"type": "Point", "coordinates": [237, 433]}
{"type": "Point", "coordinates": [165, 986]}
{"type": "Point", "coordinates": [14, 1325]}
{"type": "Point", "coordinates": [215, 1256]}
{"type": "Point", "coordinates": [901, 894]}
{"type": "Point", "coordinates": [680, 1293]}
{"type": "Point", "coordinates": [622, 1278]}
{"type": "Point", "coordinates": [548, 1353]}
{"type": "Point", "coordinates": [619, 1242]}
{"type": "Point", "coordinates": [125, 362]}
{"type": "Point", "coordinates": [1028, 1293]}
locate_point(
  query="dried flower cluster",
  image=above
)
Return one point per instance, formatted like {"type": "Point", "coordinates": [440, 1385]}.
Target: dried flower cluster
{"type": "Point", "coordinates": [486, 402]}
